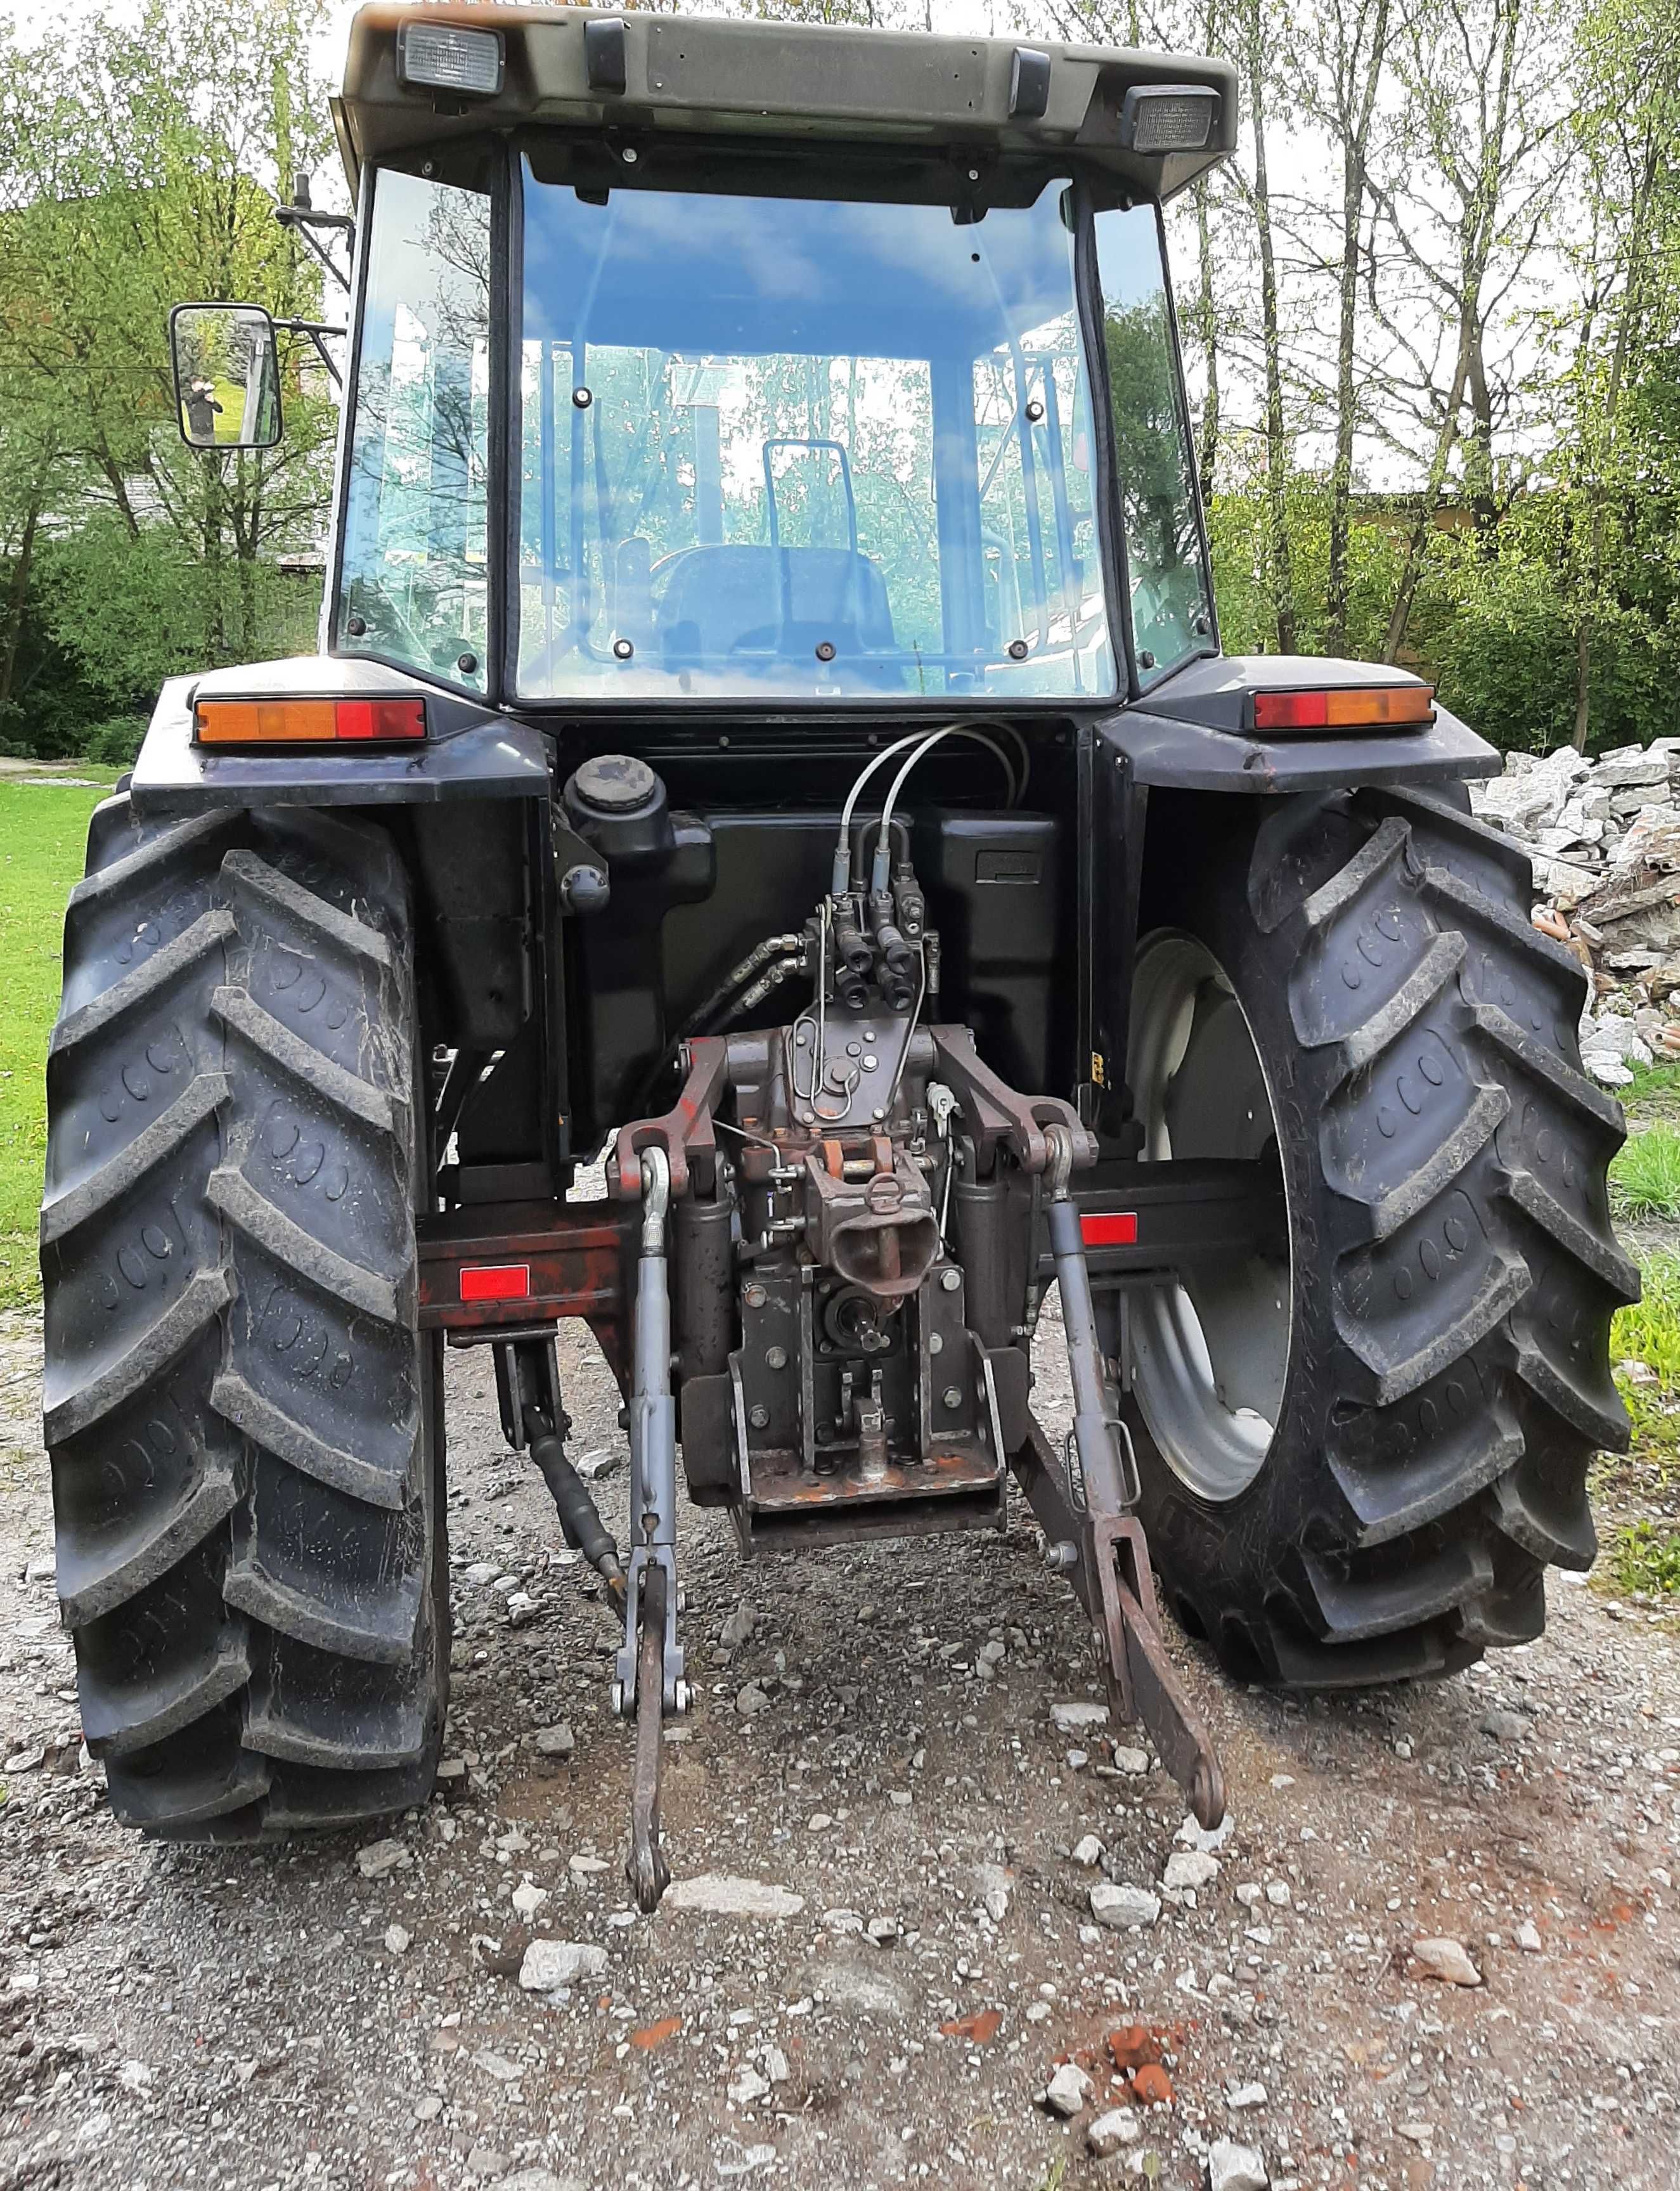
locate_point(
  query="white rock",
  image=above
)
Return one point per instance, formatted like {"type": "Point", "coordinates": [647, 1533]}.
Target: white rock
{"type": "Point", "coordinates": [1607, 1069]}
{"type": "Point", "coordinates": [43, 1568]}
{"type": "Point", "coordinates": [1527, 1937]}
{"type": "Point", "coordinates": [557, 1741]}
{"type": "Point", "coordinates": [1189, 1868]}
{"type": "Point", "coordinates": [1193, 1835]}
{"type": "Point", "coordinates": [397, 1940]}
{"type": "Point", "coordinates": [429, 2109]}
{"type": "Point", "coordinates": [1108, 2132]}
{"type": "Point", "coordinates": [751, 1700]}
{"type": "Point", "coordinates": [737, 1628]}
{"type": "Point", "coordinates": [551, 1965]}
{"type": "Point", "coordinates": [1074, 1715]}
{"type": "Point", "coordinates": [1278, 1893]}
{"type": "Point", "coordinates": [1088, 1852]}
{"type": "Point", "coordinates": [747, 2087]}
{"type": "Point", "coordinates": [1621, 772]}
{"type": "Point", "coordinates": [528, 1898]}
{"type": "Point", "coordinates": [601, 1461]}
{"type": "Point", "coordinates": [776, 2065]}
{"type": "Point", "coordinates": [379, 1857]}
{"type": "Point", "coordinates": [1232, 2167]}
{"type": "Point", "coordinates": [483, 1571]}
{"type": "Point", "coordinates": [1245, 2095]}
{"type": "Point", "coordinates": [523, 1609]}
{"type": "Point", "coordinates": [585, 1867]}
{"type": "Point", "coordinates": [995, 1884]}
{"type": "Point", "coordinates": [1068, 2090]}
{"type": "Point", "coordinates": [1445, 1959]}
{"type": "Point", "coordinates": [722, 1896]}
{"type": "Point", "coordinates": [1124, 1908]}
{"type": "Point", "coordinates": [1506, 1726]}
{"type": "Point", "coordinates": [1250, 1894]}
{"type": "Point", "coordinates": [1127, 1759]}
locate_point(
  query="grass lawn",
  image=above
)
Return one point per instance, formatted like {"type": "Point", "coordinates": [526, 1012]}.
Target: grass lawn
{"type": "Point", "coordinates": [43, 829]}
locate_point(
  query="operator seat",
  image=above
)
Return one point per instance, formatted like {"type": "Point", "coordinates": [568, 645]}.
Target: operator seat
{"type": "Point", "coordinates": [728, 600]}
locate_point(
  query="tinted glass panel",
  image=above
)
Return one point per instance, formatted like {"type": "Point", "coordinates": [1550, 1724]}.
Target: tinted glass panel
{"type": "Point", "coordinates": [413, 580]}
{"type": "Point", "coordinates": [783, 448]}
{"type": "Point", "coordinates": [1170, 613]}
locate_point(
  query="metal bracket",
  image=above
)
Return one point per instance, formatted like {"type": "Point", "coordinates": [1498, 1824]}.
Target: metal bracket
{"type": "Point", "coordinates": [1105, 1557]}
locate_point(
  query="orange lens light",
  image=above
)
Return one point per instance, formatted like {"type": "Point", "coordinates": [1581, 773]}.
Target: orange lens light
{"type": "Point", "coordinates": [1349, 707]}
{"type": "Point", "coordinates": [307, 722]}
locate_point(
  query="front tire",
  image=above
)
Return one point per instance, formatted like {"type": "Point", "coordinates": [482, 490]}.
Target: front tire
{"type": "Point", "coordinates": [244, 1421]}
{"type": "Point", "coordinates": [1442, 1379]}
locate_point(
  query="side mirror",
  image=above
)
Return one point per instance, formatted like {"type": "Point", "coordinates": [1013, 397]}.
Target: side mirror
{"type": "Point", "coordinates": [227, 376]}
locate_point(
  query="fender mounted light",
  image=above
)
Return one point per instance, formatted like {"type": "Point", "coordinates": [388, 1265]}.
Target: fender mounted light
{"type": "Point", "coordinates": [307, 722]}
{"type": "Point", "coordinates": [1346, 708]}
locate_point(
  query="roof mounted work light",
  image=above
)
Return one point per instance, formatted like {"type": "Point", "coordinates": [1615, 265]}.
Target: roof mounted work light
{"type": "Point", "coordinates": [1168, 117]}
{"type": "Point", "coordinates": [438, 57]}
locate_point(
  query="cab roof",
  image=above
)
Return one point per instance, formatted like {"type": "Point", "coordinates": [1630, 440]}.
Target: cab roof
{"type": "Point", "coordinates": [1023, 108]}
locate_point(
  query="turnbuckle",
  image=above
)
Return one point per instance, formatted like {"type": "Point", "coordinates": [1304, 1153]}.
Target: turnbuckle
{"type": "Point", "coordinates": [650, 1668]}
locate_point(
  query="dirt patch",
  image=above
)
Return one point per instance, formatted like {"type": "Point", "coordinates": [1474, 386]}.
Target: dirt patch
{"type": "Point", "coordinates": [175, 2016]}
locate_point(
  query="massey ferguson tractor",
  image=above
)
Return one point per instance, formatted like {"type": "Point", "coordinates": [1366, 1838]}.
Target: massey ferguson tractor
{"type": "Point", "coordinates": [770, 738]}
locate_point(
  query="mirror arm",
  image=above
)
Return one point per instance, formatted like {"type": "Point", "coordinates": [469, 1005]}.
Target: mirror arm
{"type": "Point", "coordinates": [315, 329]}
{"type": "Point", "coordinates": [303, 220]}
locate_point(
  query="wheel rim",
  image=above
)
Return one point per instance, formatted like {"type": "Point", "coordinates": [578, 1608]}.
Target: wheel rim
{"type": "Point", "coordinates": [1209, 1356]}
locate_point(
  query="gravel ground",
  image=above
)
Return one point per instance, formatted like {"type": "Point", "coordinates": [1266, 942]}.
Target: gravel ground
{"type": "Point", "coordinates": [874, 1742]}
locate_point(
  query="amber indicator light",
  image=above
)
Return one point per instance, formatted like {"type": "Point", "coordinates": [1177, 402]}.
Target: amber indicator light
{"type": "Point", "coordinates": [307, 722]}
{"type": "Point", "coordinates": [1351, 706]}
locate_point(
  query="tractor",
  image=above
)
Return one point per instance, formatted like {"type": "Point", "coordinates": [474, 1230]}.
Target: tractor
{"type": "Point", "coordinates": [771, 859]}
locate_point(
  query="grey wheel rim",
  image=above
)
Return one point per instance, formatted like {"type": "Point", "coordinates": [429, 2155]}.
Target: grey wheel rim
{"type": "Point", "coordinates": [1210, 1355]}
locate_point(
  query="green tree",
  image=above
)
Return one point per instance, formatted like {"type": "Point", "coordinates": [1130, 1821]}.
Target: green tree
{"type": "Point", "coordinates": [141, 160]}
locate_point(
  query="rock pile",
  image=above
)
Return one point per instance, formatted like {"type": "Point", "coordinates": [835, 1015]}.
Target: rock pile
{"type": "Point", "coordinates": [1604, 837]}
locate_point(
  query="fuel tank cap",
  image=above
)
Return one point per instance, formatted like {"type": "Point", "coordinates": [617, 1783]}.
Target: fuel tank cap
{"type": "Point", "coordinates": [613, 783]}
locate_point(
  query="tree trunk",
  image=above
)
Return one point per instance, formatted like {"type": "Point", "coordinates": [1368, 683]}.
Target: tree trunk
{"type": "Point", "coordinates": [1207, 332]}
{"type": "Point", "coordinates": [1355, 149]}
{"type": "Point", "coordinates": [17, 601]}
{"type": "Point", "coordinates": [1412, 568]}
{"type": "Point", "coordinates": [1635, 254]}
{"type": "Point", "coordinates": [1277, 445]}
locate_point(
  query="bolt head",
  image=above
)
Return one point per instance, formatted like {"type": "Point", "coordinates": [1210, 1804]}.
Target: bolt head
{"type": "Point", "coordinates": [952, 1396]}
{"type": "Point", "coordinates": [617, 1700]}
{"type": "Point", "coordinates": [951, 1280]}
{"type": "Point", "coordinates": [754, 1296]}
{"type": "Point", "coordinates": [759, 1417]}
{"type": "Point", "coordinates": [776, 1358]}
{"type": "Point", "coordinates": [685, 1696]}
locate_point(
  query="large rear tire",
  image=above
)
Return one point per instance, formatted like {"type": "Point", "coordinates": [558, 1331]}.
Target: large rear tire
{"type": "Point", "coordinates": [1396, 1428]}
{"type": "Point", "coordinates": [244, 1421]}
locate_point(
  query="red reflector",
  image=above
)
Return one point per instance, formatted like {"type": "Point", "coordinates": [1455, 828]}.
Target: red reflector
{"type": "Point", "coordinates": [1110, 1228]}
{"type": "Point", "coordinates": [488, 1282]}
{"type": "Point", "coordinates": [380, 719]}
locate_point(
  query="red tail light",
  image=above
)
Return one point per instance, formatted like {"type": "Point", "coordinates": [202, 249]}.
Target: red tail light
{"type": "Point", "coordinates": [307, 722]}
{"type": "Point", "coordinates": [1351, 706]}
{"type": "Point", "coordinates": [1109, 1228]}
